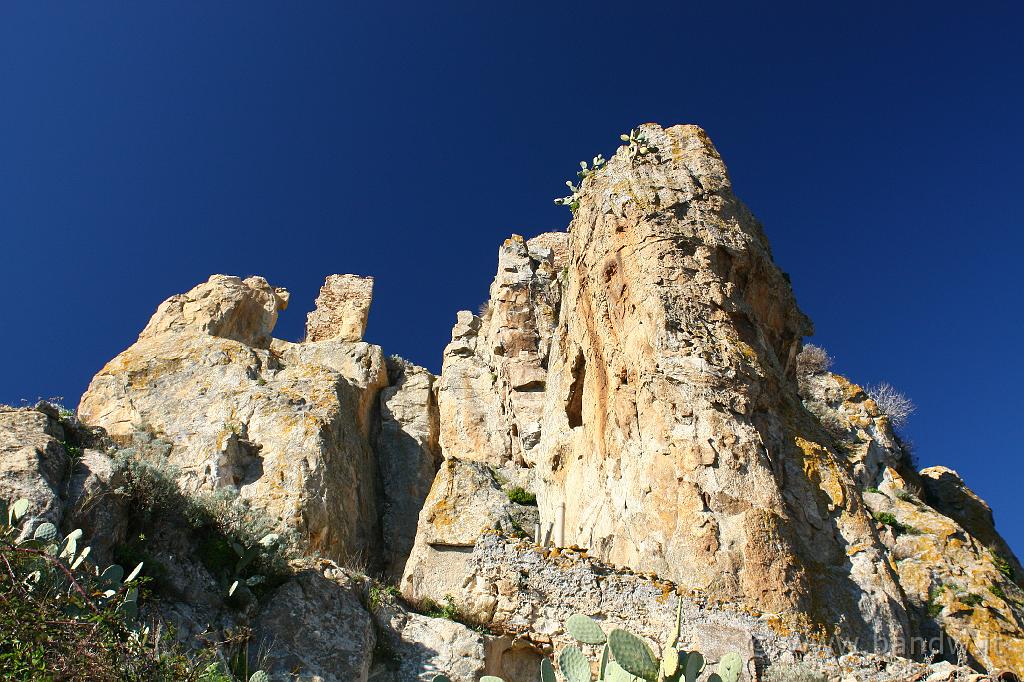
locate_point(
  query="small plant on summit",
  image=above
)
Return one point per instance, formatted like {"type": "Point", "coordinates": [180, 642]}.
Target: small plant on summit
{"type": "Point", "coordinates": [521, 496]}
{"type": "Point", "coordinates": [893, 404]}
{"type": "Point", "coordinates": [638, 145]}
{"type": "Point", "coordinates": [573, 200]}
{"type": "Point", "coordinates": [813, 360]}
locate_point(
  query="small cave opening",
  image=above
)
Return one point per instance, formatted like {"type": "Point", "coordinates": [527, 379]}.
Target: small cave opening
{"type": "Point", "coordinates": [574, 403]}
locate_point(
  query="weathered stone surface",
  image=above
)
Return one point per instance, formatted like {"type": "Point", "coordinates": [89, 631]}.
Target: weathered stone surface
{"type": "Point", "coordinates": [938, 534]}
{"type": "Point", "coordinates": [424, 647]}
{"type": "Point", "coordinates": [408, 454]}
{"type": "Point", "coordinates": [228, 307]}
{"type": "Point", "coordinates": [94, 505]}
{"type": "Point", "coordinates": [660, 406]}
{"type": "Point", "coordinates": [287, 425]}
{"type": "Point", "coordinates": [491, 388]}
{"type": "Point", "coordinates": [535, 591]}
{"type": "Point", "coordinates": [643, 376]}
{"type": "Point", "coordinates": [315, 624]}
{"type": "Point", "coordinates": [465, 500]}
{"type": "Point", "coordinates": [33, 463]}
{"type": "Point", "coordinates": [341, 309]}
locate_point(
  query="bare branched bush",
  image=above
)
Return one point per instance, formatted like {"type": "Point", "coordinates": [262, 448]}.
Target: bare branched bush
{"type": "Point", "coordinates": [813, 360]}
{"type": "Point", "coordinates": [893, 404]}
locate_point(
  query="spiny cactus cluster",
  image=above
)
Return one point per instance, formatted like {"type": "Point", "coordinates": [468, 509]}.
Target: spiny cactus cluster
{"type": "Point", "coordinates": [627, 658]}
{"type": "Point", "coordinates": [246, 555]}
{"type": "Point", "coordinates": [573, 200]}
{"type": "Point", "coordinates": [638, 144]}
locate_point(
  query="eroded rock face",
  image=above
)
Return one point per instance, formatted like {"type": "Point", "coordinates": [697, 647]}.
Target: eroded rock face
{"type": "Point", "coordinates": [408, 454]}
{"type": "Point", "coordinates": [465, 500]}
{"type": "Point", "coordinates": [341, 309]}
{"type": "Point", "coordinates": [286, 425]}
{"type": "Point", "coordinates": [534, 592]}
{"type": "Point", "coordinates": [957, 573]}
{"type": "Point", "coordinates": [425, 647]}
{"type": "Point", "coordinates": [33, 462]}
{"type": "Point", "coordinates": [227, 307]}
{"type": "Point", "coordinates": [643, 377]}
{"type": "Point", "coordinates": [316, 624]}
{"type": "Point", "coordinates": [491, 388]}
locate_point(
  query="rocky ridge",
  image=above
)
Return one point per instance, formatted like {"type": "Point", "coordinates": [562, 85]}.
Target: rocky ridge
{"type": "Point", "coordinates": [637, 374]}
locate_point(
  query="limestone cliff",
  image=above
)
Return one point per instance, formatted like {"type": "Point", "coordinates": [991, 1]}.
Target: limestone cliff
{"type": "Point", "coordinates": [651, 393]}
{"type": "Point", "coordinates": [294, 427]}
{"type": "Point", "coordinates": [637, 374]}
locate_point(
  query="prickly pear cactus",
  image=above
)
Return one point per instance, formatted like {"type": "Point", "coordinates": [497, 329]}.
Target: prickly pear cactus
{"type": "Point", "coordinates": [547, 671]}
{"type": "Point", "coordinates": [46, 532]}
{"type": "Point", "coordinates": [633, 654]}
{"type": "Point", "coordinates": [729, 669]}
{"type": "Point", "coordinates": [585, 629]}
{"type": "Point", "coordinates": [693, 666]}
{"type": "Point", "coordinates": [575, 666]}
{"type": "Point", "coordinates": [259, 676]}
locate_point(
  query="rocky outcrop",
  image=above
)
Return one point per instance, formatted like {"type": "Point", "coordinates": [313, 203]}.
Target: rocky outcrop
{"type": "Point", "coordinates": [636, 374]}
{"type": "Point", "coordinates": [33, 462]}
{"type": "Point", "coordinates": [960, 579]}
{"type": "Point", "coordinates": [491, 388]}
{"type": "Point", "coordinates": [290, 426]}
{"type": "Point", "coordinates": [648, 389]}
{"type": "Point", "coordinates": [534, 590]}
{"type": "Point", "coordinates": [336, 638]}
{"type": "Point", "coordinates": [341, 309]}
{"type": "Point", "coordinates": [420, 648]}
{"type": "Point", "coordinates": [661, 411]}
{"type": "Point", "coordinates": [226, 307]}
{"type": "Point", "coordinates": [465, 500]}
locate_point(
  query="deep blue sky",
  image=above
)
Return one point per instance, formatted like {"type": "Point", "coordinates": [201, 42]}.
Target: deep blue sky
{"type": "Point", "coordinates": [144, 146]}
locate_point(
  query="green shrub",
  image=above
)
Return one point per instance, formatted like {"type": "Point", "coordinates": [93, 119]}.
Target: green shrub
{"type": "Point", "coordinates": [1002, 565]}
{"type": "Point", "coordinates": [970, 599]}
{"type": "Point", "coordinates": [889, 519]}
{"type": "Point", "coordinates": [521, 496]}
{"type": "Point", "coordinates": [63, 618]}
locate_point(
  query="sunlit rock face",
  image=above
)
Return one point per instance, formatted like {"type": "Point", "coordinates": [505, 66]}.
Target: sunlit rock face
{"type": "Point", "coordinates": [643, 377]}
{"type": "Point", "coordinates": [292, 427]}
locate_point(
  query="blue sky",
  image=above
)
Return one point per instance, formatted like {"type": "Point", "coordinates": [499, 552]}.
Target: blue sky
{"type": "Point", "coordinates": [144, 146]}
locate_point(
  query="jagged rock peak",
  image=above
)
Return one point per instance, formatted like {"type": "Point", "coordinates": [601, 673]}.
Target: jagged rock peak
{"type": "Point", "coordinates": [225, 306]}
{"type": "Point", "coordinates": [342, 309]}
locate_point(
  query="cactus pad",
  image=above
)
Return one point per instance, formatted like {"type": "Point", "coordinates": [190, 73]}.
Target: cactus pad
{"type": "Point", "coordinates": [730, 667]}
{"type": "Point", "coordinates": [615, 673]}
{"type": "Point", "coordinates": [575, 666]}
{"type": "Point", "coordinates": [585, 629]}
{"type": "Point", "coordinates": [259, 676]}
{"type": "Point", "coordinates": [46, 532]}
{"type": "Point", "coordinates": [547, 671]}
{"type": "Point", "coordinates": [693, 666]}
{"type": "Point", "coordinates": [633, 654]}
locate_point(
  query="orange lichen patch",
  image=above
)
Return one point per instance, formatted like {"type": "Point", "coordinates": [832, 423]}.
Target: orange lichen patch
{"type": "Point", "coordinates": [442, 515]}
{"type": "Point", "coordinates": [857, 548]}
{"type": "Point", "coordinates": [818, 467]}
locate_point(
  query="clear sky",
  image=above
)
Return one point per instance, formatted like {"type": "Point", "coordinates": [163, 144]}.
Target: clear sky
{"type": "Point", "coordinates": [144, 146]}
